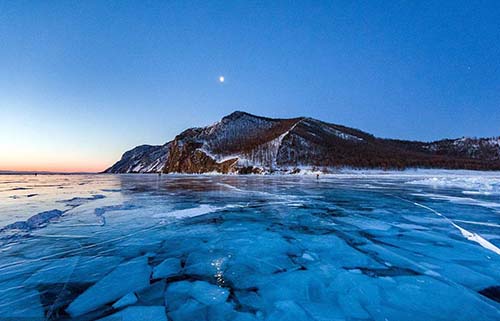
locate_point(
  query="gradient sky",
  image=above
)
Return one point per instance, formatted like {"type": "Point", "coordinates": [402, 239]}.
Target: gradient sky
{"type": "Point", "coordinates": [83, 81]}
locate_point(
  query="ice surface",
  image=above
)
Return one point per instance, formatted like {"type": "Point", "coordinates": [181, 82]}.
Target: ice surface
{"type": "Point", "coordinates": [78, 269]}
{"type": "Point", "coordinates": [57, 271]}
{"type": "Point", "coordinates": [17, 301]}
{"type": "Point", "coordinates": [77, 201]}
{"type": "Point", "coordinates": [355, 246]}
{"type": "Point", "coordinates": [428, 295]}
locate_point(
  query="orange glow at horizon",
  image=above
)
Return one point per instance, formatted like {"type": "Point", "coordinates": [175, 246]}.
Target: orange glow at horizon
{"type": "Point", "coordinates": [54, 167]}
{"type": "Point", "coordinates": [55, 163]}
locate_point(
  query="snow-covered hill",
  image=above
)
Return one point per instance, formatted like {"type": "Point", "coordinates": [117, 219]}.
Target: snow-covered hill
{"type": "Point", "coordinates": [245, 143]}
{"type": "Point", "coordinates": [476, 148]}
{"type": "Point", "coordinates": [142, 159]}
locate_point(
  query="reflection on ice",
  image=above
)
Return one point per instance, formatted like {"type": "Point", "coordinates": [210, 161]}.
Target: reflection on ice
{"type": "Point", "coordinates": [344, 247]}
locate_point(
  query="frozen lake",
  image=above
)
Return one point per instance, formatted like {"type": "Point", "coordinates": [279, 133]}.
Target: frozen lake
{"type": "Point", "coordinates": [408, 246]}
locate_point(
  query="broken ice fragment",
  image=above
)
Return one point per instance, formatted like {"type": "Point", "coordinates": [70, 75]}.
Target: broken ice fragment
{"type": "Point", "coordinates": [288, 310]}
{"type": "Point", "coordinates": [153, 295]}
{"type": "Point", "coordinates": [139, 313]}
{"type": "Point", "coordinates": [35, 221]}
{"type": "Point", "coordinates": [167, 268]}
{"type": "Point", "coordinates": [127, 277]}
{"type": "Point", "coordinates": [179, 293]}
{"type": "Point", "coordinates": [207, 293]}
{"type": "Point", "coordinates": [190, 310]}
{"type": "Point", "coordinates": [128, 299]}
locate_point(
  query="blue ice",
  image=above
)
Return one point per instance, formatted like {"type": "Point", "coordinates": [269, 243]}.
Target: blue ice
{"type": "Point", "coordinates": [386, 246]}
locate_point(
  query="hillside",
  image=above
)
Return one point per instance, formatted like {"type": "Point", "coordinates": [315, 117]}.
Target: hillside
{"type": "Point", "coordinates": [245, 143]}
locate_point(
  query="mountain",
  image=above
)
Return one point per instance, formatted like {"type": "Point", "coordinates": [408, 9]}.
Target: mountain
{"type": "Point", "coordinates": [244, 143]}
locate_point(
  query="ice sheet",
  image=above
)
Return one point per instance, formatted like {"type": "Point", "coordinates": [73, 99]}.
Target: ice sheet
{"type": "Point", "coordinates": [353, 246]}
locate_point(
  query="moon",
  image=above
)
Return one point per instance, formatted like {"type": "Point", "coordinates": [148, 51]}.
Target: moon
{"type": "Point", "coordinates": [221, 79]}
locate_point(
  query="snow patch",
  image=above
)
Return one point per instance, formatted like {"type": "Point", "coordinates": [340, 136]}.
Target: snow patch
{"type": "Point", "coordinates": [477, 184]}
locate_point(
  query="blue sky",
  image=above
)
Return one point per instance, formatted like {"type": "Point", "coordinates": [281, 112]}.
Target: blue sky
{"type": "Point", "coordinates": [82, 81]}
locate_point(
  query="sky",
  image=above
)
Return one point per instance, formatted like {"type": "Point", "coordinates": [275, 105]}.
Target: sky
{"type": "Point", "coordinates": [83, 81]}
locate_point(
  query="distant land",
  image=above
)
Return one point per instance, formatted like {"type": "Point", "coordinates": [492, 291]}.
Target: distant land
{"type": "Point", "coordinates": [243, 143]}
